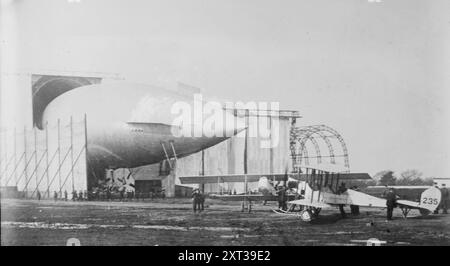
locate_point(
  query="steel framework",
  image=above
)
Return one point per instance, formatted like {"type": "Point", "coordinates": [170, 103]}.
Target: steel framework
{"type": "Point", "coordinates": [299, 137]}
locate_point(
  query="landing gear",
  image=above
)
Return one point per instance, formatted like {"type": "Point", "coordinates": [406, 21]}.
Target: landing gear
{"type": "Point", "coordinates": [405, 211]}
{"type": "Point", "coordinates": [316, 211]}
{"type": "Point", "coordinates": [309, 214]}
{"type": "Point", "coordinates": [246, 205]}
{"type": "Point", "coordinates": [424, 212]}
{"type": "Point", "coordinates": [306, 216]}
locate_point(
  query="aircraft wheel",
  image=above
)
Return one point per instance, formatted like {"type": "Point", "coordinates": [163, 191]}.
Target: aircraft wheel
{"type": "Point", "coordinates": [306, 216]}
{"type": "Point", "coordinates": [424, 212]}
{"type": "Point", "coordinates": [316, 211]}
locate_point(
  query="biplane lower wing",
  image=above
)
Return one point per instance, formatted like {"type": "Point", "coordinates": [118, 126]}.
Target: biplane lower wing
{"type": "Point", "coordinates": [250, 197]}
{"type": "Point", "coordinates": [306, 202]}
{"type": "Point", "coordinates": [254, 197]}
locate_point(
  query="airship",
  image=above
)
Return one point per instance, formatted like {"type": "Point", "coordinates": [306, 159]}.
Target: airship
{"type": "Point", "coordinates": [130, 125]}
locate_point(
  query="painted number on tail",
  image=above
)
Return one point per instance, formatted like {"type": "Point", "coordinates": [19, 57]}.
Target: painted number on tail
{"type": "Point", "coordinates": [431, 201]}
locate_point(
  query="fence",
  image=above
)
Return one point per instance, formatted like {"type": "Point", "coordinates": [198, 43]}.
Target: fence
{"type": "Point", "coordinates": [42, 163]}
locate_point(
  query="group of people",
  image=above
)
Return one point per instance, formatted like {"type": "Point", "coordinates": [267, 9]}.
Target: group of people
{"type": "Point", "coordinates": [198, 200]}
{"type": "Point", "coordinates": [55, 195]}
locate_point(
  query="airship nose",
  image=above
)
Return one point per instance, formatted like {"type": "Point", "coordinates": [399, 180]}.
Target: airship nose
{"type": "Point", "coordinates": [234, 125]}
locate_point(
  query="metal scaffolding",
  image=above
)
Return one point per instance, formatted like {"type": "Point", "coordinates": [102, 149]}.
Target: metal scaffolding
{"type": "Point", "coordinates": [316, 135]}
{"type": "Point", "coordinates": [52, 159]}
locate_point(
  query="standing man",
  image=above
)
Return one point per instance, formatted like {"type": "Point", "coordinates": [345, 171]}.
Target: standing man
{"type": "Point", "coordinates": [444, 198]}
{"type": "Point", "coordinates": [195, 200]}
{"type": "Point", "coordinates": [55, 195]}
{"type": "Point", "coordinates": [341, 190]}
{"type": "Point", "coordinates": [391, 202]}
{"type": "Point", "coordinates": [202, 201]}
{"type": "Point", "coordinates": [65, 195]}
{"type": "Point", "coordinates": [38, 195]}
{"type": "Point", "coordinates": [354, 208]}
{"type": "Point", "coordinates": [281, 198]}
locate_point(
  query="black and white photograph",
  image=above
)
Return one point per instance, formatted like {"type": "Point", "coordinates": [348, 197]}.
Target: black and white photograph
{"type": "Point", "coordinates": [228, 123]}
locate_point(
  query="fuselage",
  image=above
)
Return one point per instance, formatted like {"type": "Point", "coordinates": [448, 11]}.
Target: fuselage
{"type": "Point", "coordinates": [130, 125]}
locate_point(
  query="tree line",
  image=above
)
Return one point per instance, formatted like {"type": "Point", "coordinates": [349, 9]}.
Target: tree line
{"type": "Point", "coordinates": [390, 178]}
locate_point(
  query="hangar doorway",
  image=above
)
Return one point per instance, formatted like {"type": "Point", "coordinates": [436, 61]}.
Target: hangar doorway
{"type": "Point", "coordinates": [45, 88]}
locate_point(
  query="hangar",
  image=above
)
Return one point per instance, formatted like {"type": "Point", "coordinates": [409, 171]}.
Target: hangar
{"type": "Point", "coordinates": [52, 156]}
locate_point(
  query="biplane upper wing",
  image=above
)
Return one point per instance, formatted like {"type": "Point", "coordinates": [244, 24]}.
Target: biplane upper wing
{"type": "Point", "coordinates": [306, 202]}
{"type": "Point", "coordinates": [255, 178]}
{"type": "Point", "coordinates": [232, 178]}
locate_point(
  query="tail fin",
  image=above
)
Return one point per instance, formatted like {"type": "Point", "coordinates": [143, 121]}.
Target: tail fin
{"type": "Point", "coordinates": [430, 199]}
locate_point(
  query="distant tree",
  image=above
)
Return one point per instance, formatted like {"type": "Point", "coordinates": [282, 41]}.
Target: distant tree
{"type": "Point", "coordinates": [413, 178]}
{"type": "Point", "coordinates": [361, 183]}
{"type": "Point", "coordinates": [387, 178]}
{"type": "Point", "coordinates": [427, 181]}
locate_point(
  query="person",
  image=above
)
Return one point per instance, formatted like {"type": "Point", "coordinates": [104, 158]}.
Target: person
{"type": "Point", "coordinates": [196, 200]}
{"type": "Point", "coordinates": [108, 194]}
{"type": "Point", "coordinates": [435, 184]}
{"type": "Point", "coordinates": [65, 195]}
{"type": "Point", "coordinates": [80, 195]}
{"type": "Point", "coordinates": [341, 190]}
{"type": "Point", "coordinates": [444, 198]}
{"type": "Point", "coordinates": [354, 209]}
{"type": "Point", "coordinates": [38, 195]}
{"type": "Point", "coordinates": [55, 195]}
{"type": "Point", "coordinates": [391, 202]}
{"type": "Point", "coordinates": [74, 195]}
{"type": "Point", "coordinates": [122, 194]}
{"type": "Point", "coordinates": [202, 201]}
{"type": "Point", "coordinates": [282, 198]}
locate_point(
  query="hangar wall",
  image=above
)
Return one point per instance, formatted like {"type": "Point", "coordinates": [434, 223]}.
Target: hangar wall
{"type": "Point", "coordinates": [35, 157]}
{"type": "Point", "coordinates": [228, 157]}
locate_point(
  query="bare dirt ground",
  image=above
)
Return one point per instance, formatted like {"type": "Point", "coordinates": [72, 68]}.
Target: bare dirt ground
{"type": "Point", "coordinates": [172, 222]}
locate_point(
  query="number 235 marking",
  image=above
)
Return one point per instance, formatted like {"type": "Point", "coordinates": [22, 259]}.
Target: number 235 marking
{"type": "Point", "coordinates": [430, 201]}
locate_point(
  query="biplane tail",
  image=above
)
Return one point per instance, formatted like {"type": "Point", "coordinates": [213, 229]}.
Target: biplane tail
{"type": "Point", "coordinates": [429, 201]}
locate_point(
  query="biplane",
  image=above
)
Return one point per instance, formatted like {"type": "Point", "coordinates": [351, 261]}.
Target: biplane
{"type": "Point", "coordinates": [267, 184]}
{"type": "Point", "coordinates": [315, 188]}
{"type": "Point", "coordinates": [318, 189]}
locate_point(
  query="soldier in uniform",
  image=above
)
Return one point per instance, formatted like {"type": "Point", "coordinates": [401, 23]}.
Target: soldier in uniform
{"type": "Point", "coordinates": [391, 202]}
{"type": "Point", "coordinates": [444, 198]}
{"type": "Point", "coordinates": [74, 195]}
{"type": "Point", "coordinates": [282, 198]}
{"type": "Point", "coordinates": [341, 190]}
{"type": "Point", "coordinates": [196, 200]}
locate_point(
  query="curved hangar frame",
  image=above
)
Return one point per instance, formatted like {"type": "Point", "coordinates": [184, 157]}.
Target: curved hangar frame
{"type": "Point", "coordinates": [319, 136]}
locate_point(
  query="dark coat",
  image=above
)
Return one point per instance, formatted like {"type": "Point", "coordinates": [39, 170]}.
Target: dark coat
{"type": "Point", "coordinates": [391, 199]}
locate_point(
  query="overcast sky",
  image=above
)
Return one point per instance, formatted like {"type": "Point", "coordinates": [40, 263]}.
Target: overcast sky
{"type": "Point", "coordinates": [376, 72]}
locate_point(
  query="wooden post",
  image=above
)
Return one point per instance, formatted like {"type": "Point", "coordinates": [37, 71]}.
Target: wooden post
{"type": "Point", "coordinates": [15, 155]}
{"type": "Point", "coordinates": [71, 153]}
{"type": "Point", "coordinates": [203, 171]}
{"type": "Point", "coordinates": [26, 160]}
{"type": "Point", "coordinates": [59, 156]}
{"type": "Point", "coordinates": [35, 158]}
{"type": "Point", "coordinates": [46, 159]}
{"type": "Point", "coordinates": [86, 151]}
{"type": "Point", "coordinates": [246, 154]}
